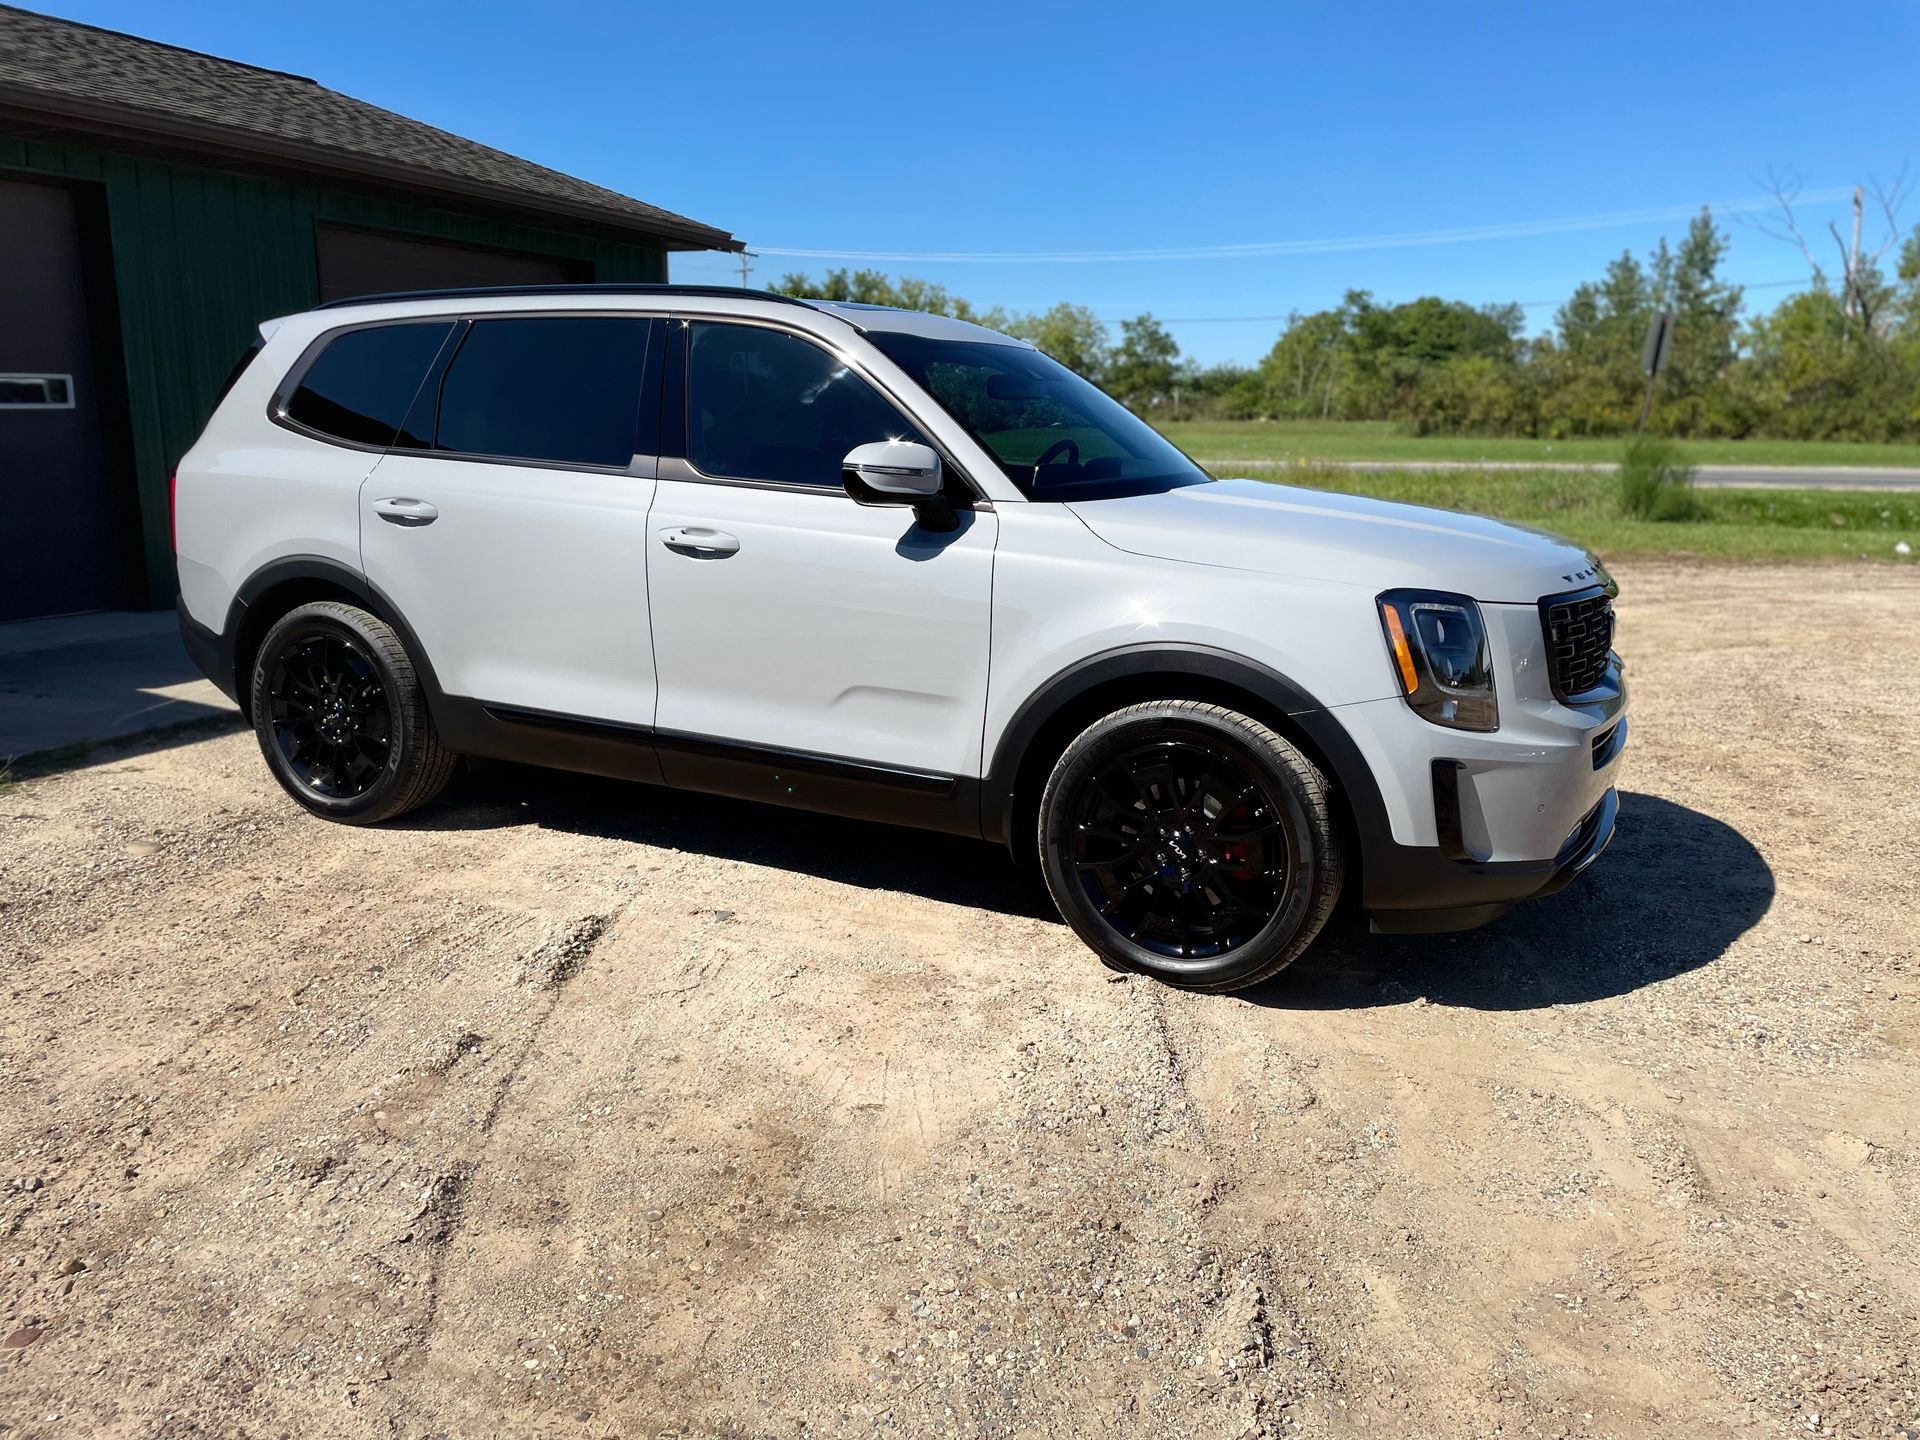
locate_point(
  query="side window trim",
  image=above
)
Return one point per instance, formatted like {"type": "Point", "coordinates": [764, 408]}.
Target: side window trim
{"type": "Point", "coordinates": [673, 392]}
{"type": "Point", "coordinates": [677, 403]}
{"type": "Point", "coordinates": [652, 378]}
{"type": "Point", "coordinates": [430, 386]}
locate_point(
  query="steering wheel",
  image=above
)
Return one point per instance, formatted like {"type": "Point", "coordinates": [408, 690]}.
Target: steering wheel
{"type": "Point", "coordinates": [1054, 449]}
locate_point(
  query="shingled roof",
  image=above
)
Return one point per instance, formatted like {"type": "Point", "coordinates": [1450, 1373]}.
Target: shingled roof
{"type": "Point", "coordinates": [62, 72]}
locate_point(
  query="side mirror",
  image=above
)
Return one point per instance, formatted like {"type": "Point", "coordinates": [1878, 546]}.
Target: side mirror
{"type": "Point", "coordinates": [900, 472]}
{"type": "Point", "coordinates": [900, 469]}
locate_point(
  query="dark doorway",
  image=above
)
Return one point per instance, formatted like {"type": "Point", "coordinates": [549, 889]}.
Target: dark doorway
{"type": "Point", "coordinates": [363, 262]}
{"type": "Point", "coordinates": [59, 556]}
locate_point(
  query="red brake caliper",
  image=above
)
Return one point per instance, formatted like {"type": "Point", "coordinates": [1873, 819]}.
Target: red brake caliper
{"type": "Point", "coordinates": [1234, 852]}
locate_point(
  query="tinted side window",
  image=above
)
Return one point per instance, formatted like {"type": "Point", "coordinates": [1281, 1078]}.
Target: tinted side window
{"type": "Point", "coordinates": [556, 389]}
{"type": "Point", "coordinates": [362, 383]}
{"type": "Point", "coordinates": [763, 405]}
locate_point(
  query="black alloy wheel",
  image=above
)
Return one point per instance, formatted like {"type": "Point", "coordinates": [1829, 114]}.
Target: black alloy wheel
{"type": "Point", "coordinates": [1190, 843]}
{"type": "Point", "coordinates": [1180, 848]}
{"type": "Point", "coordinates": [341, 715]}
{"type": "Point", "coordinates": [329, 711]}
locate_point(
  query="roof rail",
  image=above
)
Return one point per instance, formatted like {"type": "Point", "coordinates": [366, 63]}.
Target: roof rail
{"type": "Point", "coordinates": [736, 292]}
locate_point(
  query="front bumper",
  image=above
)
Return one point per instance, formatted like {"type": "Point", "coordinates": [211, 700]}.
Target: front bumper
{"type": "Point", "coordinates": [1423, 891]}
{"type": "Point", "coordinates": [1477, 823]}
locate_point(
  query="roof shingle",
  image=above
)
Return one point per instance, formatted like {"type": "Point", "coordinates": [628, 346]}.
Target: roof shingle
{"type": "Point", "coordinates": [65, 69]}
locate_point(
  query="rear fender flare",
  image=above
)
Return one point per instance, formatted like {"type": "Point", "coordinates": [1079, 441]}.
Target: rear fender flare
{"type": "Point", "coordinates": [295, 569]}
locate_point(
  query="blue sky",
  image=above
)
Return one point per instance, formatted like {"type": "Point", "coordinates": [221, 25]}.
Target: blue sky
{"type": "Point", "coordinates": [1068, 129]}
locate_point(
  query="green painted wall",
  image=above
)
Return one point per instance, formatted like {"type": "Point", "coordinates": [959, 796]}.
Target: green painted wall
{"type": "Point", "coordinates": [201, 256]}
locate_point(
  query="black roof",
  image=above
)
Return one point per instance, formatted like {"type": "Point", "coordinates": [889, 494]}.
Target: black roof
{"type": "Point", "coordinates": [485, 292]}
{"type": "Point", "coordinates": [85, 78]}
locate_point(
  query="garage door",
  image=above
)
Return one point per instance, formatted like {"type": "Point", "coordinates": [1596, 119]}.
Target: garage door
{"type": "Point", "coordinates": [361, 262]}
{"type": "Point", "coordinates": [56, 540]}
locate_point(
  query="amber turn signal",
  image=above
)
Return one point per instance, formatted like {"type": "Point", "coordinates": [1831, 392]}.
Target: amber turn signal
{"type": "Point", "coordinates": [1397, 639]}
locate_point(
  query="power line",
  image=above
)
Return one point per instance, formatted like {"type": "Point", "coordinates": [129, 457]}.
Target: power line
{"type": "Point", "coordinates": [1516, 229]}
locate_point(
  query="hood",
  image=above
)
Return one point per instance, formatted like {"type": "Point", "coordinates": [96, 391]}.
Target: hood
{"type": "Point", "coordinates": [1316, 535]}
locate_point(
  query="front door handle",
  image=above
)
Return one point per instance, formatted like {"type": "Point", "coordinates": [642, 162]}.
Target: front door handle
{"type": "Point", "coordinates": [699, 542]}
{"type": "Point", "coordinates": [400, 511]}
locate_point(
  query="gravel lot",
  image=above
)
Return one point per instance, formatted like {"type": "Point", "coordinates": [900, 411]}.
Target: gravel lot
{"type": "Point", "coordinates": [576, 1109]}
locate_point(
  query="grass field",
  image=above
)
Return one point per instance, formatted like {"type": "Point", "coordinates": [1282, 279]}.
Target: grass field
{"type": "Point", "coordinates": [1735, 524]}
{"type": "Point", "coordinates": [1296, 440]}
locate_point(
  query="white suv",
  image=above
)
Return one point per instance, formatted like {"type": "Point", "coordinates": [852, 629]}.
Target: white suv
{"type": "Point", "coordinates": [893, 566]}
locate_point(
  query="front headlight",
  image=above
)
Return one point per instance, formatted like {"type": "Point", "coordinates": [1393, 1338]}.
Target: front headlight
{"type": "Point", "coordinates": [1439, 648]}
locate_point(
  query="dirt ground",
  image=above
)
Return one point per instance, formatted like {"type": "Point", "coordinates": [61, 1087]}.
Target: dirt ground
{"type": "Point", "coordinates": [570, 1108]}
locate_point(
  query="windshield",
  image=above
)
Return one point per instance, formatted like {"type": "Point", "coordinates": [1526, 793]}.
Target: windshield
{"type": "Point", "coordinates": [1056, 436]}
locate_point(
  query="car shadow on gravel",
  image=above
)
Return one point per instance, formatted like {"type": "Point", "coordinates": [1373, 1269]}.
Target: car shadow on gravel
{"type": "Point", "coordinates": [1675, 889]}
{"type": "Point", "coordinates": [853, 852]}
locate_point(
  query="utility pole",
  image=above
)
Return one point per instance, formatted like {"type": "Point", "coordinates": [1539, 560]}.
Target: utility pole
{"type": "Point", "coordinates": [1853, 259]}
{"type": "Point", "coordinates": [746, 266]}
{"type": "Point", "coordinates": [1850, 300]}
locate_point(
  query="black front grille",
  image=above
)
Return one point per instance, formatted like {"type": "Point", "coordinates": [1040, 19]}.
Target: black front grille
{"type": "Point", "coordinates": [1579, 637]}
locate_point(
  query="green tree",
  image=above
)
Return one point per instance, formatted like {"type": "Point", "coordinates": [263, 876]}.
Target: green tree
{"type": "Point", "coordinates": [1301, 374]}
{"type": "Point", "coordinates": [1604, 323]}
{"type": "Point", "coordinates": [1591, 368]}
{"type": "Point", "coordinates": [1807, 375]}
{"type": "Point", "coordinates": [1142, 370]}
{"type": "Point", "coordinates": [1473, 395]}
{"type": "Point", "coordinates": [1216, 392]}
{"type": "Point", "coordinates": [1071, 334]}
{"type": "Point", "coordinates": [872, 287]}
{"type": "Point", "coordinates": [1394, 349]}
{"type": "Point", "coordinates": [1706, 320]}
{"type": "Point", "coordinates": [1821, 365]}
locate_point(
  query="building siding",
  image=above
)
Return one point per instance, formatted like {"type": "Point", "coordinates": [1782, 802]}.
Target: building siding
{"type": "Point", "coordinates": [202, 255]}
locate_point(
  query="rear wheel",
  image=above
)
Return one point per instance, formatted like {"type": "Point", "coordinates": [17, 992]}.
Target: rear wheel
{"type": "Point", "coordinates": [341, 717]}
{"type": "Point", "coordinates": [1191, 843]}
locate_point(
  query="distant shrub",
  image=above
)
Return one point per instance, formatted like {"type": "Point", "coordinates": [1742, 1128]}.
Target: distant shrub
{"type": "Point", "coordinates": [1656, 483]}
{"type": "Point", "coordinates": [1471, 396]}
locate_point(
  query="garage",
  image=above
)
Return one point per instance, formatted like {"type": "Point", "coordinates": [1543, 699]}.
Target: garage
{"type": "Point", "coordinates": [367, 262]}
{"type": "Point", "coordinates": [158, 203]}
{"type": "Point", "coordinates": [51, 423]}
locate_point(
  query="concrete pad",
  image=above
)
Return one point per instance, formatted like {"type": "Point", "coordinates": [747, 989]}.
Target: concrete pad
{"type": "Point", "coordinates": [83, 678]}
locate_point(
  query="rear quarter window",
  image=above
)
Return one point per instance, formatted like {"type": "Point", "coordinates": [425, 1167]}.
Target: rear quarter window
{"type": "Point", "coordinates": [360, 386]}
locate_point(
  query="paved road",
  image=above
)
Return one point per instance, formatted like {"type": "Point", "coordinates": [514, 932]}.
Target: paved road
{"type": "Point", "coordinates": [1714, 477]}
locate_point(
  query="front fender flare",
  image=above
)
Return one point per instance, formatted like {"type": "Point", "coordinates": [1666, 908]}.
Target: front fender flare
{"type": "Point", "coordinates": [1318, 724]}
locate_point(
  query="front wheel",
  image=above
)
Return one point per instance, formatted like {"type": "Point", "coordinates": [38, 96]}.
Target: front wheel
{"type": "Point", "coordinates": [1191, 843]}
{"type": "Point", "coordinates": [341, 716]}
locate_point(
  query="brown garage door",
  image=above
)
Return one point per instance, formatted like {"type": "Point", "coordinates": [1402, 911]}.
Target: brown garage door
{"type": "Point", "coordinates": [56, 522]}
{"type": "Point", "coordinates": [363, 262]}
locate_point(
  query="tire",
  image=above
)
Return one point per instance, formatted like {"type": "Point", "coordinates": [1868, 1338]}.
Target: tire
{"type": "Point", "coordinates": [341, 718]}
{"type": "Point", "coordinates": [1190, 843]}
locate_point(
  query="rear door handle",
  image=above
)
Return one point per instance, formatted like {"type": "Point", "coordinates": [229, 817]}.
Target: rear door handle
{"type": "Point", "coordinates": [699, 542]}
{"type": "Point", "coordinates": [400, 511]}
